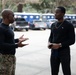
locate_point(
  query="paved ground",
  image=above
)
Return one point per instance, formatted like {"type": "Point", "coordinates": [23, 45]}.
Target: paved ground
{"type": "Point", "coordinates": [34, 59]}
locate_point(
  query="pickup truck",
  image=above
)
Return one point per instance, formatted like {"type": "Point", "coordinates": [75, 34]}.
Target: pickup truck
{"type": "Point", "coordinates": [20, 24]}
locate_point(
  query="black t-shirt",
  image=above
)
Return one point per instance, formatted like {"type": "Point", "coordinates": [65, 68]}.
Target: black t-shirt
{"type": "Point", "coordinates": [62, 33]}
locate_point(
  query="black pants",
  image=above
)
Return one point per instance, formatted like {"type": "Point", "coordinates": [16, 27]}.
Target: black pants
{"type": "Point", "coordinates": [62, 57]}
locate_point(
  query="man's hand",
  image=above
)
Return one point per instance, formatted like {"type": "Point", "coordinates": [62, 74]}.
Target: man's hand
{"type": "Point", "coordinates": [55, 46]}
{"type": "Point", "coordinates": [21, 45]}
{"type": "Point", "coordinates": [50, 45]}
{"type": "Point", "coordinates": [21, 39]}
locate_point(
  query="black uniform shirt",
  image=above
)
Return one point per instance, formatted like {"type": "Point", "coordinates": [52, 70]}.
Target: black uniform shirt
{"type": "Point", "coordinates": [7, 42]}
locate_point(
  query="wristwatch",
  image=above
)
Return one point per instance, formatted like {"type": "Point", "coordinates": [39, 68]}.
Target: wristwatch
{"type": "Point", "coordinates": [60, 44]}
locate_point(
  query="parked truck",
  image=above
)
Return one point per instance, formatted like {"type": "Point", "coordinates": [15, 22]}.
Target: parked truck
{"type": "Point", "coordinates": [20, 24]}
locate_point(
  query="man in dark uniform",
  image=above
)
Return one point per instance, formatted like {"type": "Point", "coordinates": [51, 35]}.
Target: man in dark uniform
{"type": "Point", "coordinates": [8, 44]}
{"type": "Point", "coordinates": [61, 37]}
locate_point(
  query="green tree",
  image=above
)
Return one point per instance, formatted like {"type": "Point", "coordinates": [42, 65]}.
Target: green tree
{"type": "Point", "coordinates": [73, 6]}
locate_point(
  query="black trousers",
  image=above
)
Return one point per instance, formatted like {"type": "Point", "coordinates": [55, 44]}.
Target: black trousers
{"type": "Point", "coordinates": [62, 57]}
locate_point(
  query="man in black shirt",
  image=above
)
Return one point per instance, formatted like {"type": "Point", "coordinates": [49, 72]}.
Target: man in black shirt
{"type": "Point", "coordinates": [61, 37]}
{"type": "Point", "coordinates": [8, 44]}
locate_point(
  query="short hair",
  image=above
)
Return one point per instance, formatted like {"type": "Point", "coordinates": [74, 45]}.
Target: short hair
{"type": "Point", "coordinates": [62, 9]}
{"type": "Point", "coordinates": [6, 12]}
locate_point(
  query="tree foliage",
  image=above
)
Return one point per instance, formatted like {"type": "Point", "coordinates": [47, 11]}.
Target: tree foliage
{"type": "Point", "coordinates": [42, 5]}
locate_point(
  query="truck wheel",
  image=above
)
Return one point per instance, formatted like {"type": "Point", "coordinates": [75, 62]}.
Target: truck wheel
{"type": "Point", "coordinates": [44, 28]}
{"type": "Point", "coordinates": [26, 29]}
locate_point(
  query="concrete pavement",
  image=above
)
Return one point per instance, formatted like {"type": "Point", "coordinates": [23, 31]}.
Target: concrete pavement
{"type": "Point", "coordinates": [34, 59]}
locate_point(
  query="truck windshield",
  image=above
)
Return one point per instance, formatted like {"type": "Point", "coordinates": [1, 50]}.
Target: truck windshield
{"type": "Point", "coordinates": [19, 19]}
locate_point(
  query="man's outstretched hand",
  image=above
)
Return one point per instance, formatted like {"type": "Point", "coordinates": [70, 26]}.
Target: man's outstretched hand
{"type": "Point", "coordinates": [21, 39]}
{"type": "Point", "coordinates": [22, 45]}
